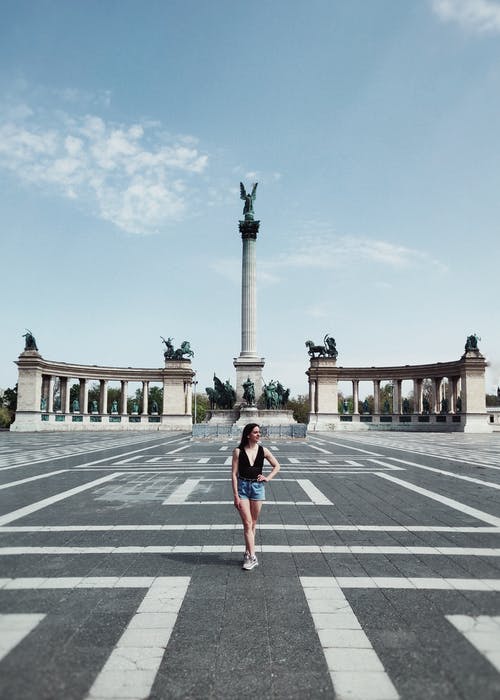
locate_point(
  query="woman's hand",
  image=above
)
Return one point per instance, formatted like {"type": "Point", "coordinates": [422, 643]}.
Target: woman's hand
{"type": "Point", "coordinates": [261, 477]}
{"type": "Point", "coordinates": [237, 502]}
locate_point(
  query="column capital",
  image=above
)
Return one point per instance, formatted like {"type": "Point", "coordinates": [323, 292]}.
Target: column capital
{"type": "Point", "coordinates": [249, 229]}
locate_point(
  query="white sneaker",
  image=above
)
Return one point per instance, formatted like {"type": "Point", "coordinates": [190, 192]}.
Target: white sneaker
{"type": "Point", "coordinates": [250, 563]}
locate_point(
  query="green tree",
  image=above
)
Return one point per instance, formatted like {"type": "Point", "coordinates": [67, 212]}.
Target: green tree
{"type": "Point", "coordinates": [300, 407]}
{"type": "Point", "coordinates": [94, 393]}
{"type": "Point", "coordinates": [202, 406]}
{"type": "Point", "coordinates": [8, 405]}
{"type": "Point", "coordinates": [74, 394]}
{"type": "Point", "coordinates": [9, 399]}
{"type": "Point", "coordinates": [340, 403]}
{"type": "Point", "coordinates": [5, 417]}
{"type": "Point", "coordinates": [114, 394]}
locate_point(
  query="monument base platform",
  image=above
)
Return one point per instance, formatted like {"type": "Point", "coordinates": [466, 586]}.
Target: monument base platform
{"type": "Point", "coordinates": [240, 416]}
{"type": "Point", "coordinates": [36, 421]}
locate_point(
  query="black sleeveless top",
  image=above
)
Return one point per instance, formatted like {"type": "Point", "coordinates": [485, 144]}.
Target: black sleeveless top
{"type": "Point", "coordinates": [245, 469]}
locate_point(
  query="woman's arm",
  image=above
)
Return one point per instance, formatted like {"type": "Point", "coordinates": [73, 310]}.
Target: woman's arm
{"type": "Point", "coordinates": [274, 464]}
{"type": "Point", "coordinates": [234, 477]}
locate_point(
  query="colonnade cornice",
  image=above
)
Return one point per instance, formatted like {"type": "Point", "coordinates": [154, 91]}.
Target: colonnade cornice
{"type": "Point", "coordinates": [436, 370]}
{"type": "Point", "coordinates": [35, 361]}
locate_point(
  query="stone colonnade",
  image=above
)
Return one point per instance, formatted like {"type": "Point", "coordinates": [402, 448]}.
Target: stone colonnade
{"type": "Point", "coordinates": [465, 410]}
{"type": "Point", "coordinates": [37, 409]}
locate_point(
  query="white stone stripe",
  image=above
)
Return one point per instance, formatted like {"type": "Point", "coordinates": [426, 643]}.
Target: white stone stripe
{"type": "Point", "coordinates": [316, 496]}
{"type": "Point", "coordinates": [353, 463]}
{"type": "Point", "coordinates": [438, 454]}
{"type": "Point", "coordinates": [182, 492]}
{"type": "Point", "coordinates": [333, 471]}
{"type": "Point", "coordinates": [130, 459]}
{"type": "Point", "coordinates": [293, 460]}
{"type": "Point", "coordinates": [131, 668]}
{"type": "Point", "coordinates": [355, 669]}
{"type": "Point", "coordinates": [178, 449]}
{"type": "Point", "coordinates": [320, 449]}
{"type": "Point", "coordinates": [31, 478]}
{"type": "Point", "coordinates": [490, 484]}
{"type": "Point", "coordinates": [357, 449]}
{"type": "Point", "coordinates": [275, 548]}
{"type": "Point", "coordinates": [225, 503]}
{"type": "Point", "coordinates": [450, 502]}
{"type": "Point", "coordinates": [13, 628]}
{"type": "Point", "coordinates": [204, 460]}
{"type": "Point", "coordinates": [420, 583]}
{"type": "Point", "coordinates": [141, 449]}
{"type": "Point", "coordinates": [86, 582]}
{"type": "Point", "coordinates": [228, 461]}
{"type": "Point", "coordinates": [262, 526]}
{"type": "Point", "coordinates": [483, 632]}
{"type": "Point", "coordinates": [78, 453]}
{"type": "Point", "coordinates": [488, 585]}
{"type": "Point", "coordinates": [33, 507]}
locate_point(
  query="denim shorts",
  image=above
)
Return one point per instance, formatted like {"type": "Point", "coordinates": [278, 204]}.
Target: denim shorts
{"type": "Point", "coordinates": [253, 490]}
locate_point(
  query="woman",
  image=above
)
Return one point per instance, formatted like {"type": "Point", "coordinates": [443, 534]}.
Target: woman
{"type": "Point", "coordinates": [248, 485]}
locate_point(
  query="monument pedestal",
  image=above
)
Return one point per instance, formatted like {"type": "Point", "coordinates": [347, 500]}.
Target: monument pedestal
{"type": "Point", "coordinates": [248, 368]}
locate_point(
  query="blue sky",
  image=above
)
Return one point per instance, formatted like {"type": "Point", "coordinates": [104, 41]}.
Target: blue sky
{"type": "Point", "coordinates": [371, 127]}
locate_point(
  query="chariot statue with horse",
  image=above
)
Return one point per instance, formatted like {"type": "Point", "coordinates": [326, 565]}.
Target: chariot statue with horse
{"type": "Point", "coordinates": [328, 349]}
{"type": "Point", "coordinates": [172, 354]}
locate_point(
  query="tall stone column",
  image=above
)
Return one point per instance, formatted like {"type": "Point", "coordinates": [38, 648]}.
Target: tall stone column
{"type": "Point", "coordinates": [248, 364]}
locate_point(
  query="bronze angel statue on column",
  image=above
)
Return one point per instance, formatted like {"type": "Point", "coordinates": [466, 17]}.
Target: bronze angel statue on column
{"type": "Point", "coordinates": [249, 199]}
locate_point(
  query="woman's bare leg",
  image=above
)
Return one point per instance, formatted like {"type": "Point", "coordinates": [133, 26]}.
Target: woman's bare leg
{"type": "Point", "coordinates": [255, 507]}
{"type": "Point", "coordinates": [248, 526]}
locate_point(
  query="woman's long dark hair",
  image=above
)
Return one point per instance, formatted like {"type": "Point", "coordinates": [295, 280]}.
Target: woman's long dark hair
{"type": "Point", "coordinates": [246, 432]}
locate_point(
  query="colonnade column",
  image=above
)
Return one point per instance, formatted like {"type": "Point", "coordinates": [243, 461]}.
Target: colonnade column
{"type": "Point", "coordinates": [396, 396]}
{"type": "Point", "coordinates": [50, 397]}
{"type": "Point", "coordinates": [452, 408]}
{"type": "Point", "coordinates": [313, 387]}
{"type": "Point", "coordinates": [417, 395]}
{"type": "Point", "coordinates": [436, 390]}
{"type": "Point", "coordinates": [145, 398]}
{"type": "Point", "coordinates": [63, 383]}
{"type": "Point", "coordinates": [84, 395]}
{"type": "Point", "coordinates": [376, 395]}
{"type": "Point", "coordinates": [103, 395]}
{"type": "Point", "coordinates": [124, 385]}
{"type": "Point", "coordinates": [355, 396]}
{"type": "Point", "coordinates": [45, 390]}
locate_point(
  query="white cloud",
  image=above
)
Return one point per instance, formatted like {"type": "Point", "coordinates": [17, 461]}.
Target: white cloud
{"type": "Point", "coordinates": [133, 175]}
{"type": "Point", "coordinates": [476, 15]}
{"type": "Point", "coordinates": [334, 252]}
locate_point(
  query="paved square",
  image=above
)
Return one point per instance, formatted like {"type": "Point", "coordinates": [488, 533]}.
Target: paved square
{"type": "Point", "coordinates": [378, 577]}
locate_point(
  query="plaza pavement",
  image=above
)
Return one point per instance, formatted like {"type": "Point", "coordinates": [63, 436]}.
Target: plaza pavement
{"type": "Point", "coordinates": [120, 566]}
